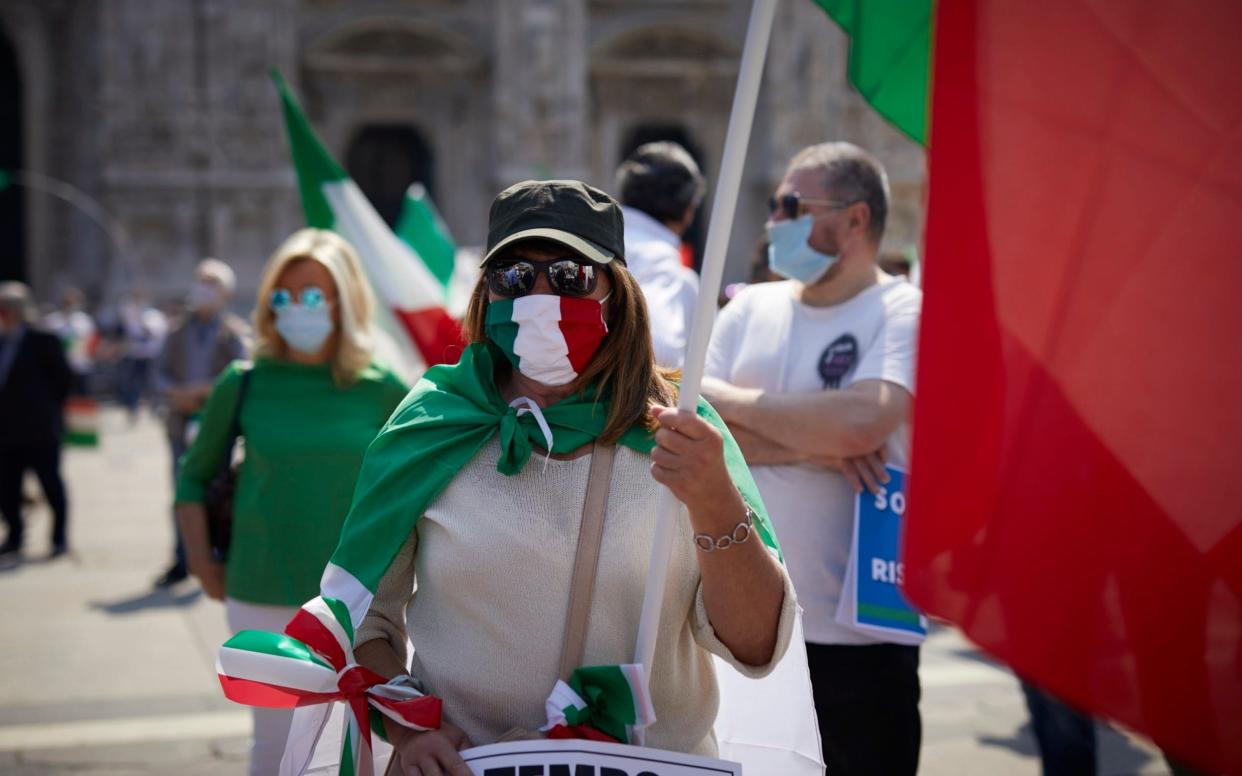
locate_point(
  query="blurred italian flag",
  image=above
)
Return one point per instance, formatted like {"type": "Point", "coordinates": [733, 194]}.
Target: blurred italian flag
{"type": "Point", "coordinates": [410, 270]}
{"type": "Point", "coordinates": [81, 422]}
{"type": "Point", "coordinates": [1075, 503]}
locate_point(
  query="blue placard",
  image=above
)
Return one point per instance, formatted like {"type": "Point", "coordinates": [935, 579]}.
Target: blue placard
{"type": "Point", "coordinates": [880, 601]}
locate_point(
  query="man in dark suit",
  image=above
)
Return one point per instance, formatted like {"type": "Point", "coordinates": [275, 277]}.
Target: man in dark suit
{"type": "Point", "coordinates": [34, 382]}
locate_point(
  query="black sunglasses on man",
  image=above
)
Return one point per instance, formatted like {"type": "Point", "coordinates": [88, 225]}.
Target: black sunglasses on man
{"type": "Point", "coordinates": [792, 205]}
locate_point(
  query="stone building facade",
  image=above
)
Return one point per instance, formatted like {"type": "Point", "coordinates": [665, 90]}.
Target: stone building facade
{"type": "Point", "coordinates": [161, 116]}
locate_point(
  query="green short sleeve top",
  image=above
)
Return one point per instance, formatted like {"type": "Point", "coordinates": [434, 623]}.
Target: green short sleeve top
{"type": "Point", "coordinates": [304, 441]}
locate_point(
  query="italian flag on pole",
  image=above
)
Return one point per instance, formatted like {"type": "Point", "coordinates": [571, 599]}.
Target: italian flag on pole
{"type": "Point", "coordinates": [421, 227]}
{"type": "Point", "coordinates": [411, 310]}
{"type": "Point", "coordinates": [1075, 498]}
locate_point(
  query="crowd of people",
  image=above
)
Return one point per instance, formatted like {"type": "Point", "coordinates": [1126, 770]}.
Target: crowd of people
{"type": "Point", "coordinates": [583, 303]}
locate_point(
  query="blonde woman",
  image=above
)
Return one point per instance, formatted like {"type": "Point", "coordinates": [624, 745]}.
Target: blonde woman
{"type": "Point", "coordinates": [313, 403]}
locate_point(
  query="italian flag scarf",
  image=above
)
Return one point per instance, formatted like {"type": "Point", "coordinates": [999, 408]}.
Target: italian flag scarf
{"type": "Point", "coordinates": [450, 415]}
{"type": "Point", "coordinates": [444, 422]}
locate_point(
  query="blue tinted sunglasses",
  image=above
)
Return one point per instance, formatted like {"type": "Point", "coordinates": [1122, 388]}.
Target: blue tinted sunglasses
{"type": "Point", "coordinates": [311, 298]}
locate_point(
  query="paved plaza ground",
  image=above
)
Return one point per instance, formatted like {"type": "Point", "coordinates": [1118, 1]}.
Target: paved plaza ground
{"type": "Point", "coordinates": [100, 674]}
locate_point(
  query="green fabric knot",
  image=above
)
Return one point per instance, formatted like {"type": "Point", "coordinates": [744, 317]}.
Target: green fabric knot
{"type": "Point", "coordinates": [597, 702]}
{"type": "Point", "coordinates": [609, 700]}
{"type": "Point", "coordinates": [515, 444]}
{"type": "Point", "coordinates": [444, 422]}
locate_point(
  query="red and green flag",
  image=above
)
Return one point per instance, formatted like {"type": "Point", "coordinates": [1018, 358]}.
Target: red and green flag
{"type": "Point", "coordinates": [888, 59]}
{"type": "Point", "coordinates": [1075, 498]}
{"type": "Point", "coordinates": [421, 227]}
{"type": "Point", "coordinates": [411, 310]}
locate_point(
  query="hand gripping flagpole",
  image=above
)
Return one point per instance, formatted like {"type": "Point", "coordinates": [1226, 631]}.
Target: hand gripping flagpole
{"type": "Point", "coordinates": [725, 203]}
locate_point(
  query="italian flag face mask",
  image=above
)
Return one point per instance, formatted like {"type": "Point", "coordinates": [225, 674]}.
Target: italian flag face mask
{"type": "Point", "coordinates": [548, 338]}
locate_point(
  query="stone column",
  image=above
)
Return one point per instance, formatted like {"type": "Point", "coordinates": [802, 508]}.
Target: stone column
{"type": "Point", "coordinates": [247, 199]}
{"type": "Point", "coordinates": [148, 139]}
{"type": "Point", "coordinates": [196, 163]}
{"type": "Point", "coordinates": [55, 44]}
{"type": "Point", "coordinates": [811, 100]}
{"type": "Point", "coordinates": [540, 90]}
{"type": "Point", "coordinates": [805, 72]}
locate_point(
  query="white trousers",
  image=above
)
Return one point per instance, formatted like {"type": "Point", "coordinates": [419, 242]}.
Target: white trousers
{"type": "Point", "coordinates": [271, 726]}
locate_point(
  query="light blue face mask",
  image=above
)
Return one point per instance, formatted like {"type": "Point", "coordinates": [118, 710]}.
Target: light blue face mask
{"type": "Point", "coordinates": [304, 329]}
{"type": "Point", "coordinates": [790, 255]}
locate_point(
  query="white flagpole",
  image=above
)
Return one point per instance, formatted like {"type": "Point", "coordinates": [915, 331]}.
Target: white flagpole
{"type": "Point", "coordinates": [729, 183]}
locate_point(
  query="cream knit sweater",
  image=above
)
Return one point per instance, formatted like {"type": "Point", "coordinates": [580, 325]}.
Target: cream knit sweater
{"type": "Point", "coordinates": [494, 556]}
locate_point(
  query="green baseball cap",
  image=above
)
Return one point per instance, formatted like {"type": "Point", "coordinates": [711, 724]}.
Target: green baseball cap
{"type": "Point", "coordinates": [580, 217]}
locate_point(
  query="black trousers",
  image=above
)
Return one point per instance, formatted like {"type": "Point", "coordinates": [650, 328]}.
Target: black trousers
{"type": "Point", "coordinates": [867, 701]}
{"type": "Point", "coordinates": [44, 461]}
{"type": "Point", "coordinates": [1066, 736]}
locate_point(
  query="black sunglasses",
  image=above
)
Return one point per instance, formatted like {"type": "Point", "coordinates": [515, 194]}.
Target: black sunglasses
{"type": "Point", "coordinates": [513, 277]}
{"type": "Point", "coordinates": [792, 204]}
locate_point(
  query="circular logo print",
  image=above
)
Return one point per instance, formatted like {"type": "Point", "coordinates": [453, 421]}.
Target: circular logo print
{"type": "Point", "coordinates": [837, 360]}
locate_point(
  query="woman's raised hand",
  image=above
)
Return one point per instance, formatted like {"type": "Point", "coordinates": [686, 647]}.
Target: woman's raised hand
{"type": "Point", "coordinates": [689, 459]}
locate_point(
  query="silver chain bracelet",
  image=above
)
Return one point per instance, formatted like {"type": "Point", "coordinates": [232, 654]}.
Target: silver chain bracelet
{"type": "Point", "coordinates": [740, 533]}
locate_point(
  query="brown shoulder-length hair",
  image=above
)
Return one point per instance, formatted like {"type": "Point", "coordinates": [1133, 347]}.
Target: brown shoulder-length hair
{"type": "Point", "coordinates": [623, 369]}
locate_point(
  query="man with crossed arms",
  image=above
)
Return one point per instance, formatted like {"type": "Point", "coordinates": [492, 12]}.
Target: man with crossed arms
{"type": "Point", "coordinates": [815, 377]}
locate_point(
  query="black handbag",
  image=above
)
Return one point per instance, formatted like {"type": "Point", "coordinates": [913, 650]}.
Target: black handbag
{"type": "Point", "coordinates": [218, 500]}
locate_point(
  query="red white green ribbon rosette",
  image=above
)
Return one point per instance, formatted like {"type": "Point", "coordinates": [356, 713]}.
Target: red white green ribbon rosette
{"type": "Point", "coordinates": [312, 664]}
{"type": "Point", "coordinates": [600, 703]}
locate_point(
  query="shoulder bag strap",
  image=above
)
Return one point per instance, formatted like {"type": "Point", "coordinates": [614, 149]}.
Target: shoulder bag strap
{"type": "Point", "coordinates": [582, 583]}
{"type": "Point", "coordinates": [235, 429]}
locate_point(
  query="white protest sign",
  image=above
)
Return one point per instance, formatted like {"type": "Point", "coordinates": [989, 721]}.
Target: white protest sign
{"type": "Point", "coordinates": [589, 758]}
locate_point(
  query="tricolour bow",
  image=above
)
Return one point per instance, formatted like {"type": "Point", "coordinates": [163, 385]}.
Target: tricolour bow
{"type": "Point", "coordinates": [610, 700]}
{"type": "Point", "coordinates": [312, 663]}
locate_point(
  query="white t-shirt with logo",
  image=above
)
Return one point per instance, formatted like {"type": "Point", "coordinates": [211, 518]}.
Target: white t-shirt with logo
{"type": "Point", "coordinates": [765, 338]}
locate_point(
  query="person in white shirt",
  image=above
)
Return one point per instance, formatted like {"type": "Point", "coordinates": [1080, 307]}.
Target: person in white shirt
{"type": "Point", "coordinates": [660, 189]}
{"type": "Point", "coordinates": [815, 377]}
{"type": "Point", "coordinates": [76, 330]}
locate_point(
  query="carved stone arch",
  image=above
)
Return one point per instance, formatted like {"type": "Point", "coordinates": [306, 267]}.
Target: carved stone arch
{"type": "Point", "coordinates": [415, 91]}
{"type": "Point", "coordinates": [665, 51]}
{"type": "Point", "coordinates": [384, 44]}
{"type": "Point", "coordinates": [661, 75]}
{"type": "Point", "coordinates": [24, 27]}
{"type": "Point", "coordinates": [385, 159]}
{"type": "Point", "coordinates": [12, 198]}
